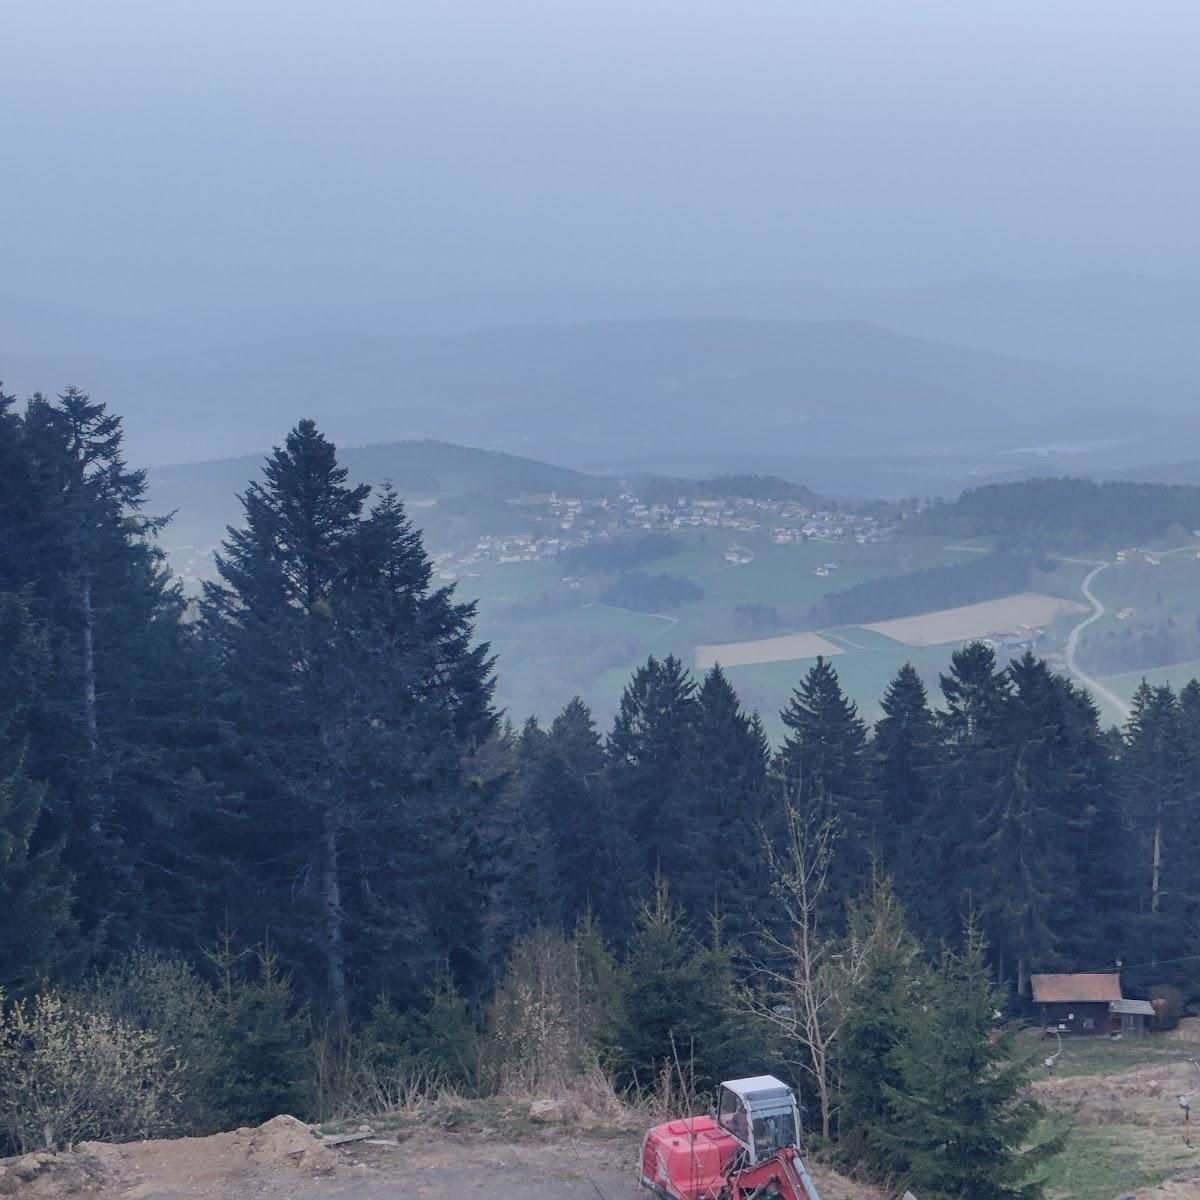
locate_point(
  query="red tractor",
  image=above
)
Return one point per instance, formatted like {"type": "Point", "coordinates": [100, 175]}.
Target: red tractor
{"type": "Point", "coordinates": [748, 1150]}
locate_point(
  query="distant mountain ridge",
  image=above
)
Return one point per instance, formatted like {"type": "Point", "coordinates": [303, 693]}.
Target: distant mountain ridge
{"type": "Point", "coordinates": [578, 393]}
{"type": "Point", "coordinates": [1109, 321]}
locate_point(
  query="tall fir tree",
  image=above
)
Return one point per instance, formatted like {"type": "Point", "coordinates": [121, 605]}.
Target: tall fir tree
{"type": "Point", "coordinates": [1156, 783]}
{"type": "Point", "coordinates": [113, 737]}
{"type": "Point", "coordinates": [1033, 813]}
{"type": "Point", "coordinates": [37, 934]}
{"type": "Point", "coordinates": [596, 872]}
{"type": "Point", "coordinates": [723, 871]}
{"type": "Point", "coordinates": [649, 751]}
{"type": "Point", "coordinates": [825, 771]}
{"type": "Point", "coordinates": [520, 869]}
{"type": "Point", "coordinates": [973, 691]}
{"type": "Point", "coordinates": [961, 1120]}
{"type": "Point", "coordinates": [904, 761]}
{"type": "Point", "coordinates": [1152, 769]}
{"type": "Point", "coordinates": [359, 697]}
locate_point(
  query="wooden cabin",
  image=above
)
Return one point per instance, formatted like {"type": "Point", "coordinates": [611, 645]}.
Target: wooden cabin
{"type": "Point", "coordinates": [1088, 1005]}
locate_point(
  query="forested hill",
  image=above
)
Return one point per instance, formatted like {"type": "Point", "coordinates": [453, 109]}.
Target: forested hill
{"type": "Point", "coordinates": [728, 486]}
{"type": "Point", "coordinates": [1067, 513]}
{"type": "Point", "coordinates": [203, 495]}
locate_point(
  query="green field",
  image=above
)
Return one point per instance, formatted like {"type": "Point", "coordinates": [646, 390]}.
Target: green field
{"type": "Point", "coordinates": [1110, 1161]}
{"type": "Point", "coordinates": [560, 642]}
{"type": "Point", "coordinates": [1116, 1145]}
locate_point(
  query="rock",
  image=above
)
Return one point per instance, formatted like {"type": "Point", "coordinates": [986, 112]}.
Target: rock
{"type": "Point", "coordinates": [547, 1110]}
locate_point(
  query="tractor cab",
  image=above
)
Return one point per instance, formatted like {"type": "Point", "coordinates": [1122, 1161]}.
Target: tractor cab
{"type": "Point", "coordinates": [760, 1112]}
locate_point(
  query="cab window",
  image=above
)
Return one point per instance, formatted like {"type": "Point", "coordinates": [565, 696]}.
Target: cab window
{"type": "Point", "coordinates": [774, 1131]}
{"type": "Point", "coordinates": [732, 1116]}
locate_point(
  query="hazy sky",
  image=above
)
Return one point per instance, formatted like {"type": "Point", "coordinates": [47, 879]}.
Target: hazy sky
{"type": "Point", "coordinates": [178, 153]}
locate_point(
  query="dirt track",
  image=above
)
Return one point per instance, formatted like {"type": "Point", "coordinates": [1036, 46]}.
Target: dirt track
{"type": "Point", "coordinates": [284, 1161]}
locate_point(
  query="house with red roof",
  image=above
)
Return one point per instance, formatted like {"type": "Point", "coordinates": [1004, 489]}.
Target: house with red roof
{"type": "Point", "coordinates": [1088, 1005]}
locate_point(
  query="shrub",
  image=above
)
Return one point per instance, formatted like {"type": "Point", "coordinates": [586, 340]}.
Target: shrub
{"type": "Point", "coordinates": [69, 1074]}
{"type": "Point", "coordinates": [261, 1064]}
{"type": "Point", "coordinates": [168, 998]}
{"type": "Point", "coordinates": [1168, 1002]}
{"type": "Point", "coordinates": [548, 1012]}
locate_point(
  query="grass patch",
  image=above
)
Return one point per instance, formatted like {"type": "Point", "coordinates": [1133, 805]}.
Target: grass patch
{"type": "Point", "coordinates": [1106, 1056]}
{"type": "Point", "coordinates": [1103, 1163]}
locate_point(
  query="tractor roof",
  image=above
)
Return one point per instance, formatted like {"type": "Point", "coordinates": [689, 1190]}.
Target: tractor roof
{"type": "Point", "coordinates": [759, 1087]}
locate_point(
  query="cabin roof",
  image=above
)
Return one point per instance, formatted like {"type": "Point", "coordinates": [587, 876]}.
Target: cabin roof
{"type": "Point", "coordinates": [1076, 989]}
{"type": "Point", "coordinates": [1137, 1008]}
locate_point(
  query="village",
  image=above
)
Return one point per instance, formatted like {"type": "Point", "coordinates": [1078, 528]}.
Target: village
{"type": "Point", "coordinates": [554, 524]}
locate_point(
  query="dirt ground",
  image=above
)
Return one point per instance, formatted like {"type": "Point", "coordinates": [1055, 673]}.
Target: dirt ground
{"type": "Point", "coordinates": [285, 1160]}
{"type": "Point", "coordinates": [976, 620]}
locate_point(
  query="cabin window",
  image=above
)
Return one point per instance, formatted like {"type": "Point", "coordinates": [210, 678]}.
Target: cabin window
{"type": "Point", "coordinates": [1089, 1023]}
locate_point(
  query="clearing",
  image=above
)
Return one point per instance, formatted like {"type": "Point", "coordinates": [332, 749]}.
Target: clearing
{"type": "Point", "coordinates": [456, 1152]}
{"type": "Point", "coordinates": [1115, 1100]}
{"type": "Point", "coordinates": [968, 621]}
{"type": "Point", "coordinates": [1119, 1103]}
{"type": "Point", "coordinates": [786, 648]}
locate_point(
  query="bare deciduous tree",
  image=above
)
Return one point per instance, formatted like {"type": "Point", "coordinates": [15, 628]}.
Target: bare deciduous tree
{"type": "Point", "coordinates": [804, 978]}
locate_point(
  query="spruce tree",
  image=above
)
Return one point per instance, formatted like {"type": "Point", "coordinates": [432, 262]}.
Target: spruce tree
{"type": "Point", "coordinates": [904, 759]}
{"type": "Point", "coordinates": [824, 767]}
{"type": "Point", "coordinates": [676, 1016]}
{"type": "Point", "coordinates": [961, 1120]}
{"type": "Point", "coordinates": [1032, 813]}
{"type": "Point", "coordinates": [893, 981]}
{"type": "Point", "coordinates": [359, 698]}
{"type": "Point", "coordinates": [973, 691]}
{"type": "Point", "coordinates": [1153, 769]}
{"type": "Point", "coordinates": [519, 869]}
{"type": "Point", "coordinates": [116, 726]}
{"type": "Point", "coordinates": [596, 871]}
{"type": "Point", "coordinates": [260, 1063]}
{"type": "Point", "coordinates": [649, 751]}
{"type": "Point", "coordinates": [37, 932]}
{"type": "Point", "coordinates": [723, 870]}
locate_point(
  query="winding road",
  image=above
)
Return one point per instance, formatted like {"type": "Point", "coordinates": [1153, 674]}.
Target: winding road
{"type": "Point", "coordinates": [1097, 612]}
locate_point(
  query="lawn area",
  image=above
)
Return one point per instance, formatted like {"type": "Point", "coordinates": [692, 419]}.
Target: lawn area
{"type": "Point", "coordinates": [1106, 1162]}
{"type": "Point", "coordinates": [1117, 1102]}
{"type": "Point", "coordinates": [1108, 1056]}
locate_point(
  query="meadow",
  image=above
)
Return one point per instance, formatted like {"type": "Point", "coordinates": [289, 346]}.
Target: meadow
{"type": "Point", "coordinates": [554, 641]}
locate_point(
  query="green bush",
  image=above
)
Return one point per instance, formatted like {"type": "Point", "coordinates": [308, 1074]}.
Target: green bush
{"type": "Point", "coordinates": [261, 1066]}
{"type": "Point", "coordinates": [171, 1000]}
{"type": "Point", "coordinates": [1168, 1002]}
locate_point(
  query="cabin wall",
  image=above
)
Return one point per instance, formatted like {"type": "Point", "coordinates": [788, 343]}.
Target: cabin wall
{"type": "Point", "coordinates": [1078, 1020]}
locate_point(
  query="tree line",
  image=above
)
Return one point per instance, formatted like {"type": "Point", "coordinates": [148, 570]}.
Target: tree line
{"type": "Point", "coordinates": [297, 789]}
{"type": "Point", "coordinates": [1066, 514]}
{"type": "Point", "coordinates": [310, 751]}
{"type": "Point", "coordinates": [994, 574]}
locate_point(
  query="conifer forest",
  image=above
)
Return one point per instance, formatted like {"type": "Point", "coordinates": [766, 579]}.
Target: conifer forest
{"type": "Point", "coordinates": [285, 818]}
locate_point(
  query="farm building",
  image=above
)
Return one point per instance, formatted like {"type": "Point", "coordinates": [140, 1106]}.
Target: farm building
{"type": "Point", "coordinates": [1088, 1006]}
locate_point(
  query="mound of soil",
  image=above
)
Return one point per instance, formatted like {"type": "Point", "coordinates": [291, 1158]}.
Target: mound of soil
{"type": "Point", "coordinates": [1140, 1096]}
{"type": "Point", "coordinates": [271, 1159]}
